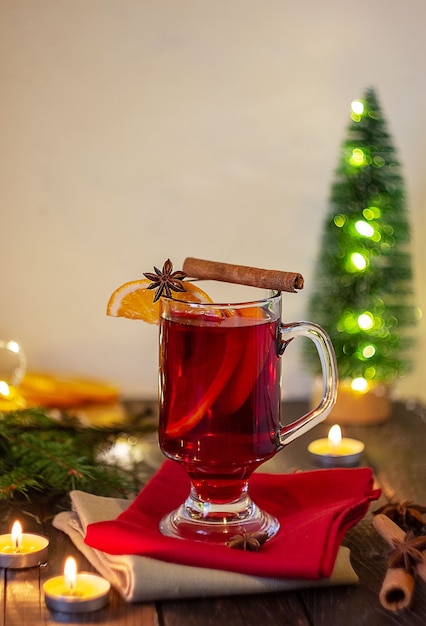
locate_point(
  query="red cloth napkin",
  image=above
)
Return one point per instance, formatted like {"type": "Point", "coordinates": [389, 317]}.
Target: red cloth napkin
{"type": "Point", "coordinates": [315, 509]}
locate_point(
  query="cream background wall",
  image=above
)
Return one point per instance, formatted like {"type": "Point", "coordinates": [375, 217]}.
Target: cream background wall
{"type": "Point", "coordinates": [134, 130]}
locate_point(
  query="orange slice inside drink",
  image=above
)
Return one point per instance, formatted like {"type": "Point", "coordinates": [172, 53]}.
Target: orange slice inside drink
{"type": "Point", "coordinates": [188, 408]}
{"type": "Point", "coordinates": [251, 362]}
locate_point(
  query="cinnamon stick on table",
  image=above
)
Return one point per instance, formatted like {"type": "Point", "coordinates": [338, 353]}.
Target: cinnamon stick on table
{"type": "Point", "coordinates": [243, 275]}
{"type": "Point", "coordinates": [397, 588]}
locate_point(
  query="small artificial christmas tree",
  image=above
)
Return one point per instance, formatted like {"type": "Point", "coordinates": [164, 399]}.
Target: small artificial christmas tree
{"type": "Point", "coordinates": [362, 289]}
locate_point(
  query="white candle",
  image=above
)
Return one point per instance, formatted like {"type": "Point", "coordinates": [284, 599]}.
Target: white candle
{"type": "Point", "coordinates": [19, 550]}
{"type": "Point", "coordinates": [336, 451]}
{"type": "Point", "coordinates": [76, 592]}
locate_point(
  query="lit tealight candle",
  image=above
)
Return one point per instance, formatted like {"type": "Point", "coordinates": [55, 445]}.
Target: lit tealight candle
{"type": "Point", "coordinates": [76, 592]}
{"type": "Point", "coordinates": [336, 451]}
{"type": "Point", "coordinates": [19, 550]}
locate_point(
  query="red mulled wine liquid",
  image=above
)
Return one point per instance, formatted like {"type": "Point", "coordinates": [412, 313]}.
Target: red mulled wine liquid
{"type": "Point", "coordinates": [219, 398]}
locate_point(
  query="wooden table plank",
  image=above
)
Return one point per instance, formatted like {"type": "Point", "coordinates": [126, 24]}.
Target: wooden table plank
{"type": "Point", "coordinates": [114, 614]}
{"type": "Point", "coordinates": [2, 596]}
{"type": "Point", "coordinates": [285, 609]}
{"type": "Point", "coordinates": [23, 606]}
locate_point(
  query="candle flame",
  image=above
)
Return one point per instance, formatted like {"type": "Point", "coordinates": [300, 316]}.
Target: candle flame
{"type": "Point", "coordinates": [70, 573]}
{"type": "Point", "coordinates": [335, 435]}
{"type": "Point", "coordinates": [16, 534]}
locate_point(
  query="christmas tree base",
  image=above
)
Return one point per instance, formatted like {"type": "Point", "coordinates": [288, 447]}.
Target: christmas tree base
{"type": "Point", "coordinates": [354, 407]}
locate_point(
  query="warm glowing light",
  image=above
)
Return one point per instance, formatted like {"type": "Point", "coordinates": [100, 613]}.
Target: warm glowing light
{"type": "Point", "coordinates": [357, 107]}
{"type": "Point", "coordinates": [337, 450]}
{"type": "Point", "coordinates": [363, 228]}
{"type": "Point", "coordinates": [335, 435]}
{"type": "Point", "coordinates": [70, 573]}
{"type": "Point", "coordinates": [13, 346]}
{"type": "Point", "coordinates": [371, 213]}
{"type": "Point", "coordinates": [126, 451]}
{"type": "Point", "coordinates": [121, 451]}
{"type": "Point", "coordinates": [379, 161]}
{"type": "Point", "coordinates": [4, 388]}
{"type": "Point", "coordinates": [16, 534]}
{"type": "Point", "coordinates": [340, 220]}
{"type": "Point", "coordinates": [357, 157]}
{"type": "Point", "coordinates": [365, 321]}
{"type": "Point", "coordinates": [359, 384]}
{"type": "Point", "coordinates": [368, 351]}
{"type": "Point", "coordinates": [359, 261]}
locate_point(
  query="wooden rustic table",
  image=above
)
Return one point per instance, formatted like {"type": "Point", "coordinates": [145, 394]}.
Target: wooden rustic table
{"type": "Point", "coordinates": [396, 452]}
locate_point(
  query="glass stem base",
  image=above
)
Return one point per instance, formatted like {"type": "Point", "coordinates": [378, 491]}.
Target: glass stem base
{"type": "Point", "coordinates": [198, 520]}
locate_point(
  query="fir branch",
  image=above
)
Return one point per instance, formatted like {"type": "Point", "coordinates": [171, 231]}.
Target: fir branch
{"type": "Point", "coordinates": [17, 481]}
{"type": "Point", "coordinates": [45, 452]}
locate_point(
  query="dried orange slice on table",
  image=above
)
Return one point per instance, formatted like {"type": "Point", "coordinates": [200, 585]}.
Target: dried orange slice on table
{"type": "Point", "coordinates": [62, 390]}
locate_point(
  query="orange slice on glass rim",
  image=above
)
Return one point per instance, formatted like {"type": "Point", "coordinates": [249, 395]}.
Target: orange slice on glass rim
{"type": "Point", "coordinates": [134, 300]}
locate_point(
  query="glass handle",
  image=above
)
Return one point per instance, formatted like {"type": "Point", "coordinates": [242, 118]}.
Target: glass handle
{"type": "Point", "coordinates": [329, 377]}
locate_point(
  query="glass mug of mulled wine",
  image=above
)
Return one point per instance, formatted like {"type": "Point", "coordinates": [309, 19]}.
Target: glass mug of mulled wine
{"type": "Point", "coordinates": [220, 404]}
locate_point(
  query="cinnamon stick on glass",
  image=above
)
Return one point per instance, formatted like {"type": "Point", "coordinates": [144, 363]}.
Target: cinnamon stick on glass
{"type": "Point", "coordinates": [243, 275]}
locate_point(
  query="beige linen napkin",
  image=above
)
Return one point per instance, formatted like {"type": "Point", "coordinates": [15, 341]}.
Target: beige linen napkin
{"type": "Point", "coordinates": [140, 578]}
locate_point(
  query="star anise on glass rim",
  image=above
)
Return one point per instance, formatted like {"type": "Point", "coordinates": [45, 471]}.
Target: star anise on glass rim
{"type": "Point", "coordinates": [408, 552]}
{"type": "Point", "coordinates": [251, 542]}
{"type": "Point", "coordinates": [406, 514]}
{"type": "Point", "coordinates": [165, 281]}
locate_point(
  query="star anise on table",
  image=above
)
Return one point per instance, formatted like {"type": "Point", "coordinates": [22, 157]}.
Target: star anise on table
{"type": "Point", "coordinates": [251, 542]}
{"type": "Point", "coordinates": [408, 552]}
{"type": "Point", "coordinates": [406, 514]}
{"type": "Point", "coordinates": [165, 280]}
